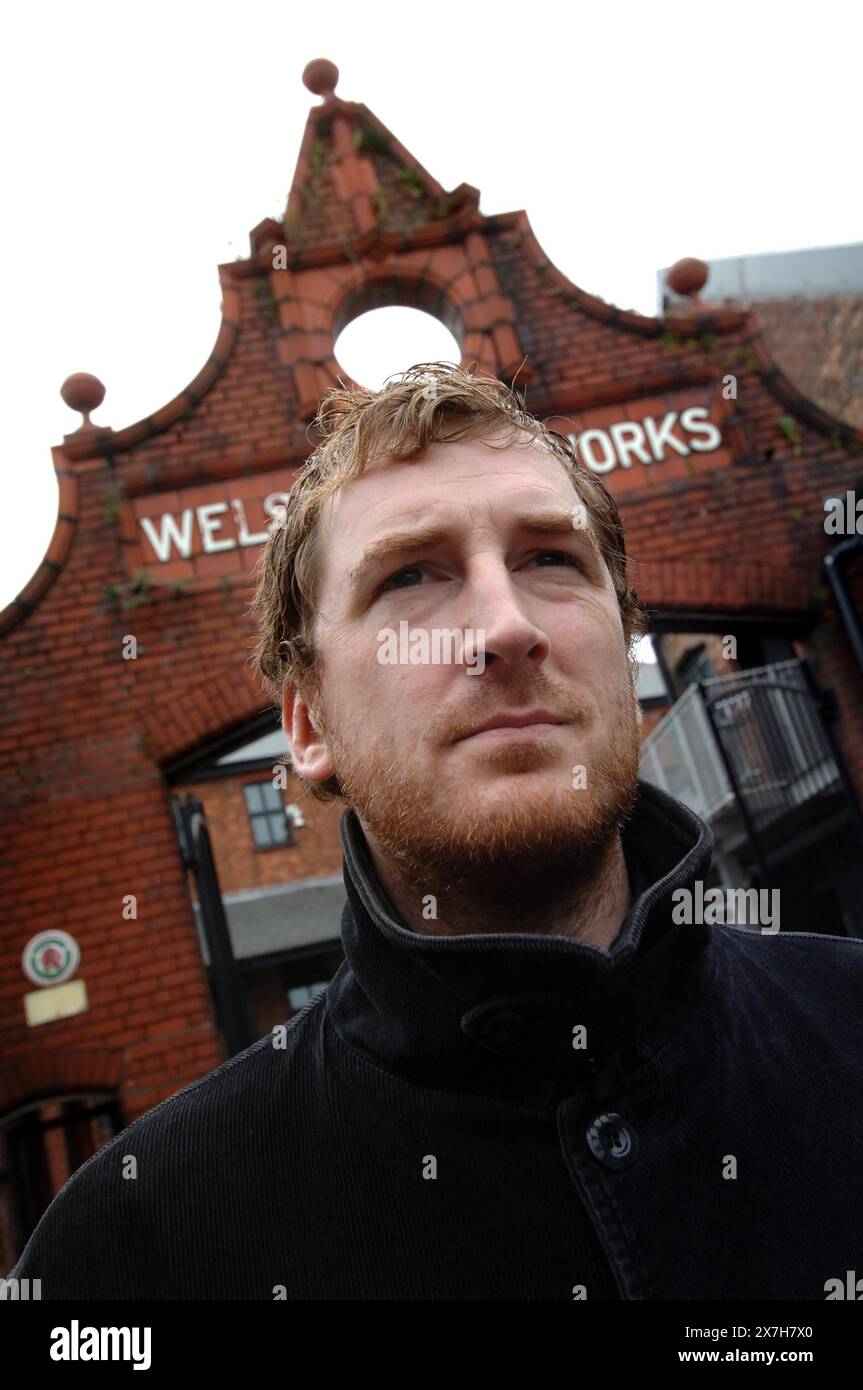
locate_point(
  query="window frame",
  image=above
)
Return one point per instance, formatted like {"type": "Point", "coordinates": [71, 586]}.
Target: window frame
{"type": "Point", "coordinates": [265, 813]}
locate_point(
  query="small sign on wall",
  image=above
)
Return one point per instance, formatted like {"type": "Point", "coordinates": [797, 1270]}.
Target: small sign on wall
{"type": "Point", "coordinates": [60, 1001]}
{"type": "Point", "coordinates": [50, 958]}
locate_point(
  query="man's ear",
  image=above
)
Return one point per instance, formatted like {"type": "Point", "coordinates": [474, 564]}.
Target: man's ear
{"type": "Point", "coordinates": [310, 754]}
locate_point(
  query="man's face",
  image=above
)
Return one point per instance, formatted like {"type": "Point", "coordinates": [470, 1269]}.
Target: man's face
{"type": "Point", "coordinates": [432, 799]}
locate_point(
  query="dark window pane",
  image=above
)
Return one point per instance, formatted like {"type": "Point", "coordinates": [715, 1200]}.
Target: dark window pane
{"type": "Point", "coordinates": [298, 995]}
{"type": "Point", "coordinates": [278, 827]}
{"type": "Point", "coordinates": [272, 796]}
{"type": "Point", "coordinates": [261, 831]}
{"type": "Point", "coordinates": [254, 800]}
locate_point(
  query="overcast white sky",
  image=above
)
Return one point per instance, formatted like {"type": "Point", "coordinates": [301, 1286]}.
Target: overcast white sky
{"type": "Point", "coordinates": [143, 142]}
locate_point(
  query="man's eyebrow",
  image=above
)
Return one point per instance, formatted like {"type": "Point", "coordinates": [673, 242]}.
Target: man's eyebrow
{"type": "Point", "coordinates": [557, 523]}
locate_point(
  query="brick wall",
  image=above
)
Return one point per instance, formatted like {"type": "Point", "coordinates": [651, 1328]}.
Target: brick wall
{"type": "Point", "coordinates": [86, 733]}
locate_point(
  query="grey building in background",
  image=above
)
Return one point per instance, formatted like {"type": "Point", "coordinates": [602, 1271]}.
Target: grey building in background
{"type": "Point", "coordinates": [820, 270]}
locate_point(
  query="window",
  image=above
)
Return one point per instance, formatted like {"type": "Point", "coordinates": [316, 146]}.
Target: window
{"type": "Point", "coordinates": [652, 689]}
{"type": "Point", "coordinates": [305, 976]}
{"type": "Point", "coordinates": [695, 665]}
{"type": "Point", "coordinates": [298, 995]}
{"type": "Point", "coordinates": [41, 1145]}
{"type": "Point", "coordinates": [270, 825]}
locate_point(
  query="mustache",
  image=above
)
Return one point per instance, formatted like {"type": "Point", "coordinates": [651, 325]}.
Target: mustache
{"type": "Point", "coordinates": [456, 724]}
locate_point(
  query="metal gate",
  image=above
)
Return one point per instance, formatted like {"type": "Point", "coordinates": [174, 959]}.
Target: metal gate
{"type": "Point", "coordinates": [755, 753]}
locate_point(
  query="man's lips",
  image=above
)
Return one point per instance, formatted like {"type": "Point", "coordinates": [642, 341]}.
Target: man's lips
{"type": "Point", "coordinates": [512, 734]}
{"type": "Point", "coordinates": [535, 721]}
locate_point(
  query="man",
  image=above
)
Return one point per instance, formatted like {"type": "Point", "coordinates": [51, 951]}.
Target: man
{"type": "Point", "coordinates": [532, 1077]}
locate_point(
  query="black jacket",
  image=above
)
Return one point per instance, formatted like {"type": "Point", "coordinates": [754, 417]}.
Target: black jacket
{"type": "Point", "coordinates": [430, 1131]}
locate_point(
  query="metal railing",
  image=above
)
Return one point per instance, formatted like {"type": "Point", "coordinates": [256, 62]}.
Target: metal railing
{"type": "Point", "coordinates": [681, 757]}
{"type": "Point", "coordinates": [765, 723]}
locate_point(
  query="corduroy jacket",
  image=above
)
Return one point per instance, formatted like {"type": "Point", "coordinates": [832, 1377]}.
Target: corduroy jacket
{"type": "Point", "coordinates": [507, 1116]}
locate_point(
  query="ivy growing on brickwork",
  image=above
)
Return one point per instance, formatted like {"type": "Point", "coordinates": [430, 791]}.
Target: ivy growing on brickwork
{"type": "Point", "coordinates": [371, 139]}
{"type": "Point", "coordinates": [113, 497]}
{"type": "Point", "coordinates": [412, 181]}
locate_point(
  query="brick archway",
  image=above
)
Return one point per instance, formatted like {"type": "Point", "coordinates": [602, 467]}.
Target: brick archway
{"type": "Point", "coordinates": [202, 711]}
{"type": "Point", "coordinates": [47, 1075]}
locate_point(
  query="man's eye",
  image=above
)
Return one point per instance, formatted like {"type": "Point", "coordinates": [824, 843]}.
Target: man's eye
{"type": "Point", "coordinates": [560, 554]}
{"type": "Point", "coordinates": [420, 569]}
{"type": "Point", "coordinates": [406, 569]}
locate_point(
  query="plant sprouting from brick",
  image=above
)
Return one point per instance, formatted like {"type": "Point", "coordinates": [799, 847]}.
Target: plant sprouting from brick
{"type": "Point", "coordinates": [371, 139]}
{"type": "Point", "coordinates": [747, 358]}
{"type": "Point", "coordinates": [138, 590]}
{"type": "Point", "coordinates": [133, 593]}
{"type": "Point", "coordinates": [788, 425]}
{"type": "Point", "coordinates": [318, 154]}
{"type": "Point", "coordinates": [413, 181]}
{"type": "Point", "coordinates": [839, 440]}
{"type": "Point", "coordinates": [113, 498]}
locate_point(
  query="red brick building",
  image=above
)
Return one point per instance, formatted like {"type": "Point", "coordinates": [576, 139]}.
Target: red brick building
{"type": "Point", "coordinates": [126, 687]}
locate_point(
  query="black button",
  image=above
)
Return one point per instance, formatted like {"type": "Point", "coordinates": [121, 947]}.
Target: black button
{"type": "Point", "coordinates": [612, 1141]}
{"type": "Point", "coordinates": [505, 1028]}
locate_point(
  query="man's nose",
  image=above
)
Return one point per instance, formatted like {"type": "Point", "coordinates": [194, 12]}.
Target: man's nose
{"type": "Point", "coordinates": [493, 606]}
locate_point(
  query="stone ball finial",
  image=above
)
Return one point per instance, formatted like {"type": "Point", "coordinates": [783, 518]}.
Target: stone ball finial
{"type": "Point", "coordinates": [321, 76]}
{"type": "Point", "coordinates": [688, 277]}
{"type": "Point", "coordinates": [83, 392]}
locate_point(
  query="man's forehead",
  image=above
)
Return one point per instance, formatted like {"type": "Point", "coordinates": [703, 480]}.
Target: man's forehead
{"type": "Point", "coordinates": [384, 492]}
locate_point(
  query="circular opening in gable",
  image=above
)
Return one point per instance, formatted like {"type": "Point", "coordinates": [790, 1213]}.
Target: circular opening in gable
{"type": "Point", "coordinates": [385, 342]}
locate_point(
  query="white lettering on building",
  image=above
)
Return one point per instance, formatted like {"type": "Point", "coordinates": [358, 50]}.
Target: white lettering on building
{"type": "Point", "coordinates": [166, 531]}
{"type": "Point", "coordinates": [647, 440]}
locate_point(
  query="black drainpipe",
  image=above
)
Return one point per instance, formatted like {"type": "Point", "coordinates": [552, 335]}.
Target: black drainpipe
{"type": "Point", "coordinates": [833, 568]}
